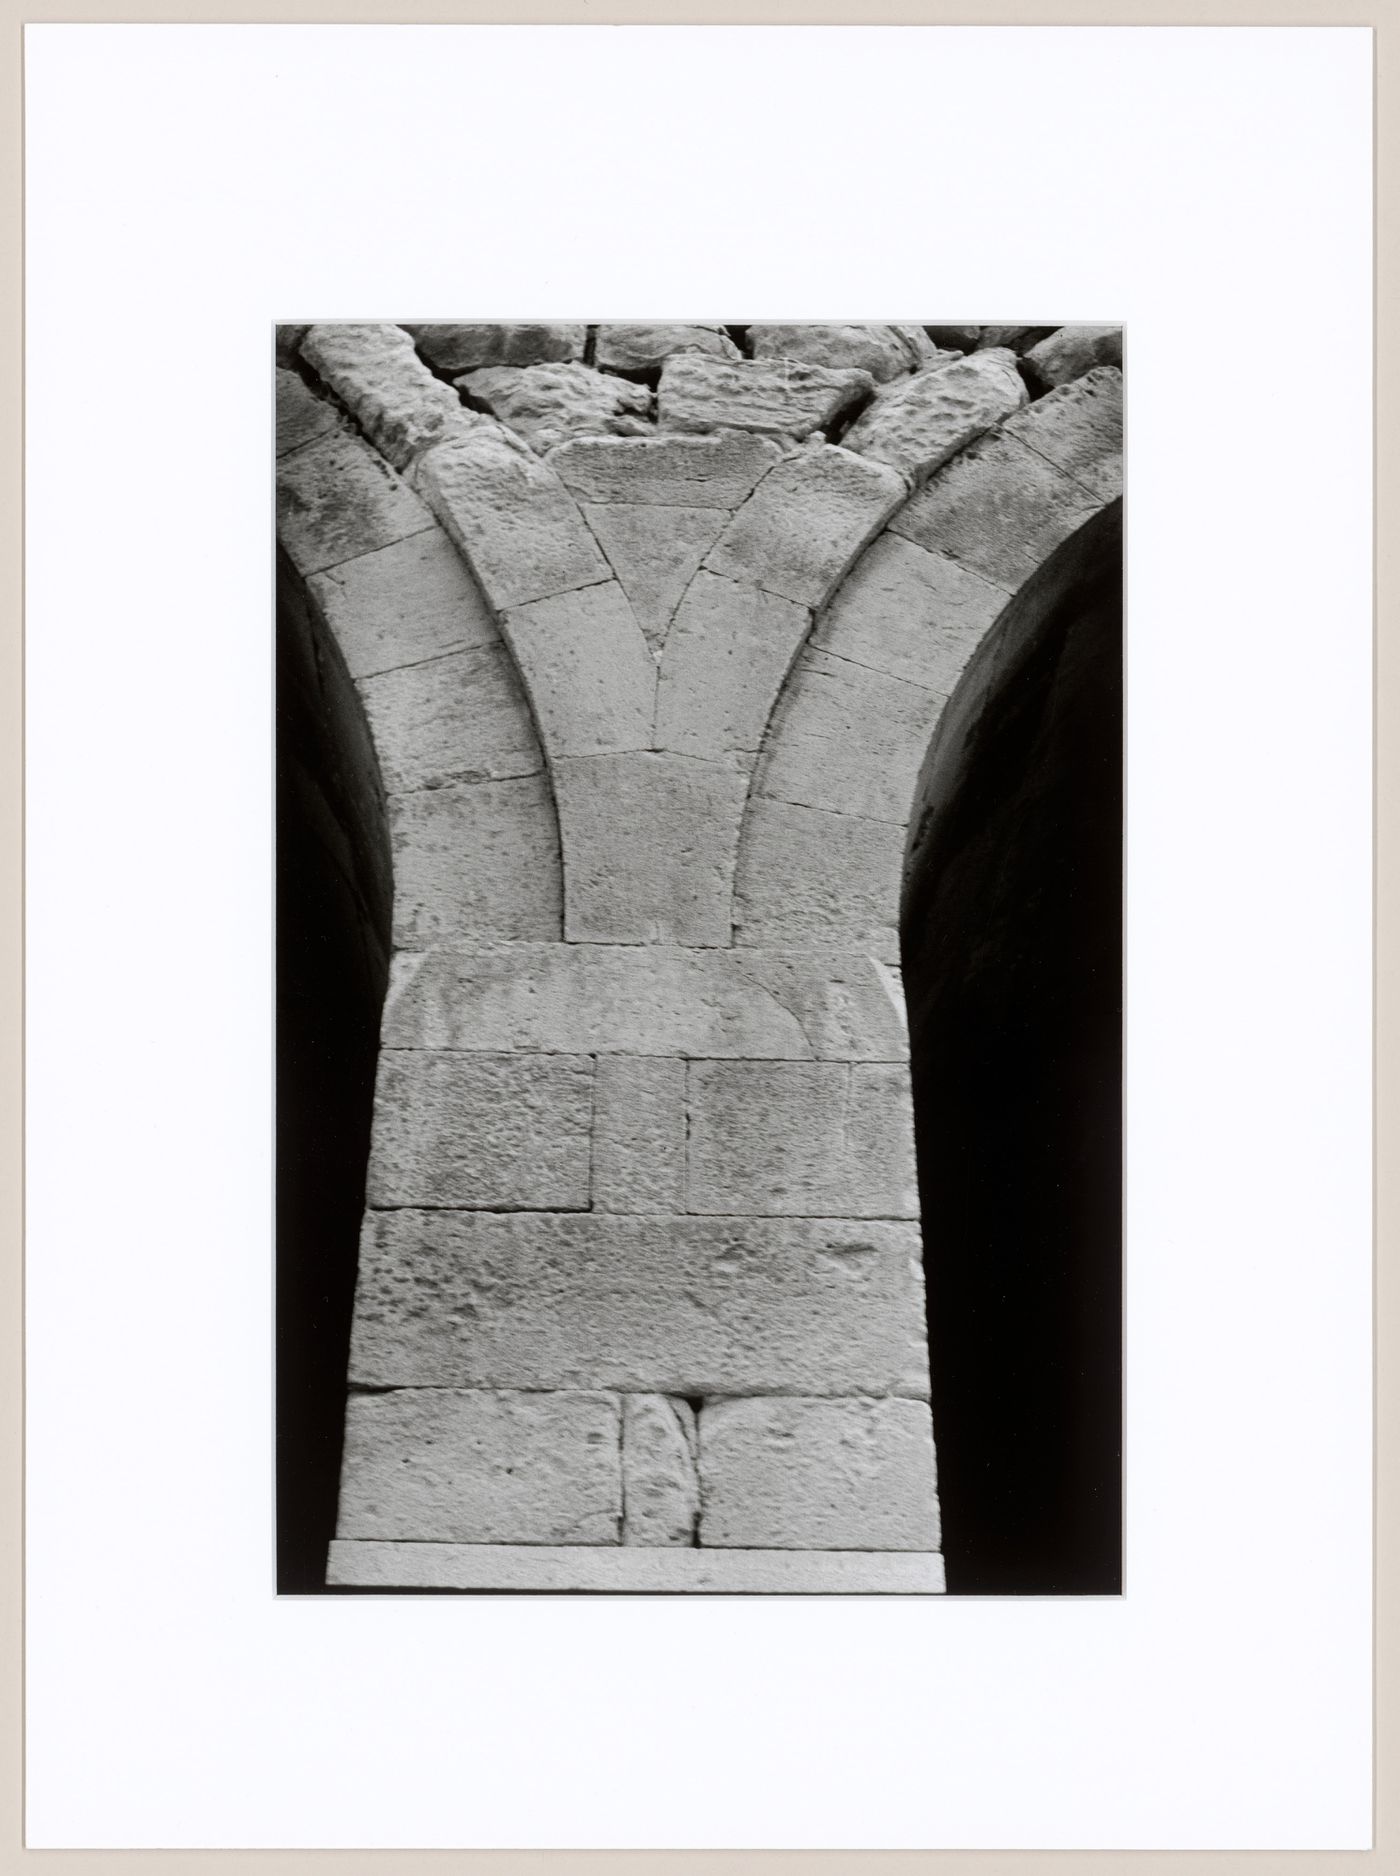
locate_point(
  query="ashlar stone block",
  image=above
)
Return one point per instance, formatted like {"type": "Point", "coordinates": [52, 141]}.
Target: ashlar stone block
{"type": "Point", "coordinates": [337, 498]}
{"type": "Point", "coordinates": [909, 613]}
{"type": "Point", "coordinates": [377, 375]}
{"type": "Point", "coordinates": [301, 415]}
{"type": "Point", "coordinates": [716, 471]}
{"type": "Point", "coordinates": [477, 860]}
{"type": "Point", "coordinates": [724, 662]}
{"type": "Point", "coordinates": [463, 348]}
{"type": "Point", "coordinates": [781, 398]}
{"type": "Point", "coordinates": [588, 669]}
{"type": "Point", "coordinates": [404, 604]}
{"type": "Point", "coordinates": [660, 1485]}
{"type": "Point", "coordinates": [886, 352]}
{"type": "Point", "coordinates": [1080, 429]}
{"type": "Point", "coordinates": [635, 1570]}
{"type": "Point", "coordinates": [1070, 351]}
{"type": "Point", "coordinates": [642, 347]}
{"type": "Point", "coordinates": [547, 404]}
{"type": "Point", "coordinates": [810, 878]}
{"type": "Point", "coordinates": [639, 1126]}
{"type": "Point", "coordinates": [459, 718]}
{"type": "Point", "coordinates": [918, 423]}
{"type": "Point", "coordinates": [654, 552]}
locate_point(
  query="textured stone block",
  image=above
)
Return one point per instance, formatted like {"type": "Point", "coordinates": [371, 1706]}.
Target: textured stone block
{"type": "Point", "coordinates": [639, 1134]}
{"type": "Point", "coordinates": [482, 1468]}
{"type": "Point", "coordinates": [778, 399]}
{"type": "Point", "coordinates": [654, 552]}
{"type": "Point", "coordinates": [512, 517]}
{"type": "Point", "coordinates": [642, 348]}
{"type": "Point", "coordinates": [800, 1139]}
{"type": "Point", "coordinates": [479, 860]}
{"type": "Point", "coordinates": [288, 343]}
{"type": "Point", "coordinates": [635, 1570]}
{"type": "Point", "coordinates": [679, 1306]}
{"type": "Point", "coordinates": [818, 1474]}
{"type": "Point", "coordinates": [336, 498]}
{"type": "Point", "coordinates": [301, 415]}
{"type": "Point", "coordinates": [808, 877]}
{"type": "Point", "coordinates": [398, 403]}
{"type": "Point", "coordinates": [806, 521]}
{"type": "Point", "coordinates": [955, 338]}
{"type": "Point", "coordinates": [463, 348]}
{"type": "Point", "coordinates": [1011, 338]}
{"type": "Point", "coordinates": [910, 614]}
{"type": "Point", "coordinates": [589, 672]}
{"type": "Point", "coordinates": [1070, 351]}
{"type": "Point", "coordinates": [649, 843]}
{"type": "Point", "coordinates": [486, 1131]}
{"type": "Point", "coordinates": [460, 718]}
{"type": "Point", "coordinates": [884, 351]}
{"type": "Point", "coordinates": [660, 1485]}
{"type": "Point", "coordinates": [726, 656]}
{"type": "Point", "coordinates": [406, 603]}
{"type": "Point", "coordinates": [918, 423]}
{"type": "Point", "coordinates": [547, 404]}
{"type": "Point", "coordinates": [1080, 429]}
{"type": "Point", "coordinates": [668, 471]}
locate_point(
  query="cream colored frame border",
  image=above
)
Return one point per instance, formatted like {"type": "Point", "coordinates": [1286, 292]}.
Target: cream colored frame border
{"type": "Point", "coordinates": [1384, 16]}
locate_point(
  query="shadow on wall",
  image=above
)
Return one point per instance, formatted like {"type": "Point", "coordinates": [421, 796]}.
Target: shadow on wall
{"type": "Point", "coordinates": [1012, 941]}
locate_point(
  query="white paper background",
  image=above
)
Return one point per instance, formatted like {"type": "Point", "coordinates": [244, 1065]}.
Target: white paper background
{"type": "Point", "coordinates": [187, 186]}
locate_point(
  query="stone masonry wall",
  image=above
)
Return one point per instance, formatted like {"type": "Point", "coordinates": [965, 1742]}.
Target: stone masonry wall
{"type": "Point", "coordinates": [652, 627]}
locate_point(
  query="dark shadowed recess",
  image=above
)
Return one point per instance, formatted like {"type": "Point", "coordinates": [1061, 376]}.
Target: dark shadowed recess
{"type": "Point", "coordinates": [333, 906]}
{"type": "Point", "coordinates": [1012, 945]}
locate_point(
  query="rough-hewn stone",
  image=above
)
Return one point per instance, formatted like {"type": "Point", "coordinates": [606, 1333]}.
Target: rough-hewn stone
{"type": "Point", "coordinates": [909, 613]}
{"type": "Point", "coordinates": [1011, 338]}
{"type": "Point", "coordinates": [808, 877]}
{"type": "Point", "coordinates": [660, 1485]}
{"type": "Point", "coordinates": [918, 423]}
{"type": "Point", "coordinates": [679, 1306]}
{"type": "Point", "coordinates": [301, 415]}
{"type": "Point", "coordinates": [654, 552]}
{"type": "Point", "coordinates": [639, 1134]}
{"type": "Point", "coordinates": [728, 651]}
{"type": "Point", "coordinates": [955, 338]}
{"type": "Point", "coordinates": [483, 1468]}
{"type": "Point", "coordinates": [590, 675]}
{"type": "Point", "coordinates": [635, 1571]}
{"type": "Point", "coordinates": [778, 399]}
{"type": "Point", "coordinates": [818, 1474]}
{"type": "Point", "coordinates": [463, 348]}
{"type": "Point", "coordinates": [1072, 350]}
{"type": "Point", "coordinates": [381, 380]}
{"type": "Point", "coordinates": [458, 718]}
{"type": "Point", "coordinates": [288, 343]}
{"type": "Point", "coordinates": [336, 499]}
{"type": "Point", "coordinates": [884, 351]}
{"type": "Point", "coordinates": [1080, 429]}
{"type": "Point", "coordinates": [547, 404]}
{"type": "Point", "coordinates": [478, 860]}
{"type": "Point", "coordinates": [642, 348]}
{"type": "Point", "coordinates": [409, 602]}
{"type": "Point", "coordinates": [806, 521]}
{"type": "Point", "coordinates": [486, 1131]}
{"type": "Point", "coordinates": [716, 471]}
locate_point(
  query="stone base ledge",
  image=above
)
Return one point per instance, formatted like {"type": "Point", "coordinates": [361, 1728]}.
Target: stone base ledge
{"type": "Point", "coordinates": [624, 1570]}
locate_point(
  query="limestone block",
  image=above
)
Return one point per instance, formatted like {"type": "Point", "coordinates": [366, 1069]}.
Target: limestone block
{"type": "Point", "coordinates": [639, 1134]}
{"type": "Point", "coordinates": [463, 348]}
{"type": "Point", "coordinates": [1080, 429]}
{"type": "Point", "coordinates": [649, 843]}
{"type": "Point", "coordinates": [726, 656]}
{"type": "Point", "coordinates": [404, 604]}
{"type": "Point", "coordinates": [459, 718]}
{"type": "Point", "coordinates": [918, 423]}
{"type": "Point", "coordinates": [588, 670]}
{"type": "Point", "coordinates": [807, 878]}
{"type": "Point", "coordinates": [1070, 351]}
{"type": "Point", "coordinates": [679, 1306]}
{"type": "Point", "coordinates": [848, 739]}
{"type": "Point", "coordinates": [398, 403]}
{"type": "Point", "coordinates": [886, 352]}
{"type": "Point", "coordinates": [909, 613]}
{"type": "Point", "coordinates": [806, 522]}
{"type": "Point", "coordinates": [716, 471]}
{"type": "Point", "coordinates": [660, 1486]}
{"type": "Point", "coordinates": [997, 508]}
{"type": "Point", "coordinates": [512, 517]}
{"type": "Point", "coordinates": [642, 348]}
{"type": "Point", "coordinates": [547, 404]}
{"type": "Point", "coordinates": [486, 1131]}
{"type": "Point", "coordinates": [654, 552]}
{"type": "Point", "coordinates": [818, 1474]}
{"type": "Point", "coordinates": [1011, 338]}
{"type": "Point", "coordinates": [654, 1000]}
{"type": "Point", "coordinates": [955, 338]}
{"type": "Point", "coordinates": [788, 1139]}
{"type": "Point", "coordinates": [482, 1468]}
{"type": "Point", "coordinates": [301, 415]}
{"type": "Point", "coordinates": [338, 498]}
{"type": "Point", "coordinates": [778, 399]}
{"type": "Point", "coordinates": [479, 860]}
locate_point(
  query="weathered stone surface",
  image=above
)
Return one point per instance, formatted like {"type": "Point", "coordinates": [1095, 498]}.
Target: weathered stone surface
{"type": "Point", "coordinates": [654, 552]}
{"type": "Point", "coordinates": [336, 499]}
{"type": "Point", "coordinates": [301, 415]}
{"type": "Point", "coordinates": [589, 672]}
{"type": "Point", "coordinates": [463, 348]}
{"type": "Point", "coordinates": [409, 602]}
{"type": "Point", "coordinates": [679, 1306]}
{"type": "Point", "coordinates": [670, 471]}
{"type": "Point", "coordinates": [807, 877]}
{"type": "Point", "coordinates": [641, 348]}
{"type": "Point", "coordinates": [1080, 429]}
{"type": "Point", "coordinates": [778, 399]}
{"type": "Point", "coordinates": [997, 508]}
{"type": "Point", "coordinates": [479, 860]}
{"type": "Point", "coordinates": [818, 1474]}
{"type": "Point", "coordinates": [482, 1468]}
{"type": "Point", "coordinates": [662, 1000]}
{"type": "Point", "coordinates": [789, 1139]}
{"type": "Point", "coordinates": [884, 351]}
{"type": "Point", "coordinates": [909, 613]}
{"type": "Point", "coordinates": [806, 521]}
{"type": "Point", "coordinates": [1072, 350]}
{"type": "Point", "coordinates": [547, 404]}
{"type": "Point", "coordinates": [1011, 338]}
{"type": "Point", "coordinates": [381, 380]}
{"type": "Point", "coordinates": [288, 343]}
{"type": "Point", "coordinates": [459, 718]}
{"type": "Point", "coordinates": [639, 1134]}
{"type": "Point", "coordinates": [649, 843]}
{"type": "Point", "coordinates": [917, 423]}
{"type": "Point", "coordinates": [847, 738]}
{"type": "Point", "coordinates": [955, 338]}
{"type": "Point", "coordinates": [486, 1131]}
{"type": "Point", "coordinates": [660, 1486]}
{"type": "Point", "coordinates": [726, 656]}
{"type": "Point", "coordinates": [512, 517]}
{"type": "Point", "coordinates": [635, 1571]}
